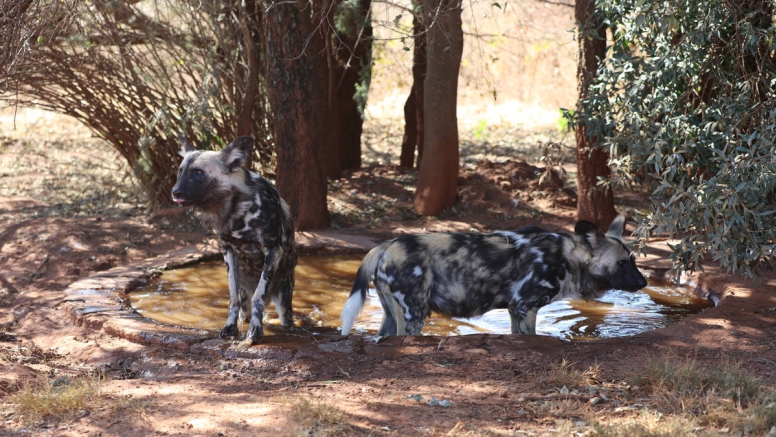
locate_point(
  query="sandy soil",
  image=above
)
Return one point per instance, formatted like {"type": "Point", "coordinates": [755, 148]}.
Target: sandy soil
{"type": "Point", "coordinates": [50, 237]}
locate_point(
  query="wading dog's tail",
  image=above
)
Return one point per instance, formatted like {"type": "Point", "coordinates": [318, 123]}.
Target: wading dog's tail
{"type": "Point", "coordinates": [357, 297]}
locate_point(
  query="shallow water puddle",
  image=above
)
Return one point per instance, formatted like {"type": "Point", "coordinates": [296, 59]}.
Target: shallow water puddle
{"type": "Point", "coordinates": [198, 296]}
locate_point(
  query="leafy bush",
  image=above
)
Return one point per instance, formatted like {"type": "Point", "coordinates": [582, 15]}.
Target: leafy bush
{"type": "Point", "coordinates": [686, 103]}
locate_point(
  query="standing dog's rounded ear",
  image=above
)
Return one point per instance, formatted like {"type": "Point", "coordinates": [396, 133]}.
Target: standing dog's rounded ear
{"type": "Point", "coordinates": [589, 231]}
{"type": "Point", "coordinates": [617, 227]}
{"type": "Point", "coordinates": [236, 154]}
{"type": "Point", "coordinates": [186, 148]}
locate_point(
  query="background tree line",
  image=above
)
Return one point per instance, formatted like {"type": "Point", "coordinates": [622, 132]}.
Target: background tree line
{"type": "Point", "coordinates": [677, 96]}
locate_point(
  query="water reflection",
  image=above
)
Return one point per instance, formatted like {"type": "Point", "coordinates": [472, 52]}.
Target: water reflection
{"type": "Point", "coordinates": [198, 297]}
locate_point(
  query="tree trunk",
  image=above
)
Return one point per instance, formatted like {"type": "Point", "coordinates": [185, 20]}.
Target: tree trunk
{"type": "Point", "coordinates": [595, 203]}
{"type": "Point", "coordinates": [325, 68]}
{"type": "Point", "coordinates": [438, 175]}
{"type": "Point", "coordinates": [352, 74]}
{"type": "Point", "coordinates": [299, 108]}
{"type": "Point", "coordinates": [413, 108]}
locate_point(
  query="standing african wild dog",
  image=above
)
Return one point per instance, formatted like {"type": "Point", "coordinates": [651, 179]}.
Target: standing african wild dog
{"type": "Point", "coordinates": [253, 224]}
{"type": "Point", "coordinates": [466, 275]}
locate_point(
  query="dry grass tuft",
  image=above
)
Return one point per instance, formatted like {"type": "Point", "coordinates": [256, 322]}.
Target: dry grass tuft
{"type": "Point", "coordinates": [64, 399]}
{"type": "Point", "coordinates": [675, 380]}
{"type": "Point", "coordinates": [646, 424]}
{"type": "Point", "coordinates": [564, 374]}
{"type": "Point", "coordinates": [57, 399]}
{"type": "Point", "coordinates": [315, 418]}
{"type": "Point", "coordinates": [687, 396]}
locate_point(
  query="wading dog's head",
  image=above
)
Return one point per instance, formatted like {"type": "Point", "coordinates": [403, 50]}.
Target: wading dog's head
{"type": "Point", "coordinates": [613, 265]}
{"type": "Point", "coordinates": [205, 178]}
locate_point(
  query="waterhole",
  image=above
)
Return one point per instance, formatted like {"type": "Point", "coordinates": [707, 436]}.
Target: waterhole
{"type": "Point", "coordinates": [198, 296]}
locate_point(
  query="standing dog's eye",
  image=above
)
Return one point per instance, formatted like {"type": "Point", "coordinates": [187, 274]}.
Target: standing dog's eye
{"type": "Point", "coordinates": [622, 262]}
{"type": "Point", "coordinates": [198, 172]}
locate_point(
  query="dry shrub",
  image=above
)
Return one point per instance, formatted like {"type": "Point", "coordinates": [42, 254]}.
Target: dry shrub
{"type": "Point", "coordinates": [138, 74]}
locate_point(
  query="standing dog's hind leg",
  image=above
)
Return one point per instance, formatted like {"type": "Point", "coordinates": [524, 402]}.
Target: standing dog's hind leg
{"type": "Point", "coordinates": [256, 329]}
{"type": "Point", "coordinates": [230, 330]}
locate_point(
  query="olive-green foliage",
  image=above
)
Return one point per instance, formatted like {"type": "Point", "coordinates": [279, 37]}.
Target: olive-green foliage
{"type": "Point", "coordinates": [686, 103]}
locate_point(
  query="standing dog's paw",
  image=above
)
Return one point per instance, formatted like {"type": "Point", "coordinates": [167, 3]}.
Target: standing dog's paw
{"type": "Point", "coordinates": [253, 336]}
{"type": "Point", "coordinates": [228, 331]}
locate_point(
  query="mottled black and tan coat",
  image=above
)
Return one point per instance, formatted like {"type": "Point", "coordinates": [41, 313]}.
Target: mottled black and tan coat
{"type": "Point", "coordinates": [255, 228]}
{"type": "Point", "coordinates": [469, 274]}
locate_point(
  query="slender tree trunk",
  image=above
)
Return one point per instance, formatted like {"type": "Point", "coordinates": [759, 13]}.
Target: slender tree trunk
{"type": "Point", "coordinates": [353, 69]}
{"type": "Point", "coordinates": [250, 74]}
{"type": "Point", "coordinates": [594, 203]}
{"type": "Point", "coordinates": [325, 68]}
{"type": "Point", "coordinates": [299, 108]}
{"type": "Point", "coordinates": [413, 108]}
{"type": "Point", "coordinates": [437, 185]}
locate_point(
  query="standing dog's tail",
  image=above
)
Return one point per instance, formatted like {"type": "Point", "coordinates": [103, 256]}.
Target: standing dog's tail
{"type": "Point", "coordinates": [357, 297]}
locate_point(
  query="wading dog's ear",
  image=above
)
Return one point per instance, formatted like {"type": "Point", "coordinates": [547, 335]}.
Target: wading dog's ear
{"type": "Point", "coordinates": [236, 154]}
{"type": "Point", "coordinates": [589, 231]}
{"type": "Point", "coordinates": [186, 148]}
{"type": "Point", "coordinates": [617, 227]}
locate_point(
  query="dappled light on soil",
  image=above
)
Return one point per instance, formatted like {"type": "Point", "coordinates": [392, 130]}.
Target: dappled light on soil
{"type": "Point", "coordinates": [198, 297]}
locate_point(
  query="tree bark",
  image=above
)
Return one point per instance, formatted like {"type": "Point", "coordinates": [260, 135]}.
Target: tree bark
{"type": "Point", "coordinates": [595, 203]}
{"type": "Point", "coordinates": [413, 107]}
{"type": "Point", "coordinates": [325, 68]}
{"type": "Point", "coordinates": [353, 56]}
{"type": "Point", "coordinates": [299, 108]}
{"type": "Point", "coordinates": [438, 175]}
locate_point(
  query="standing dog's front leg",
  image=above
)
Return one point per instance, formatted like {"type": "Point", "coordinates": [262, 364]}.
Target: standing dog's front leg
{"type": "Point", "coordinates": [271, 261]}
{"type": "Point", "coordinates": [230, 330]}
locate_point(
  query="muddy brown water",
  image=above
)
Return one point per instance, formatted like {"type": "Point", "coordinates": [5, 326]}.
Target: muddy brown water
{"type": "Point", "coordinates": [198, 296]}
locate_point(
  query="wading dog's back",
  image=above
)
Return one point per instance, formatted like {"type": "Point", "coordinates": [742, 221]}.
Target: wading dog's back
{"type": "Point", "coordinates": [466, 275]}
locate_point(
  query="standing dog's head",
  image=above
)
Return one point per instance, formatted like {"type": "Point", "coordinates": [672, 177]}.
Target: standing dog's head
{"type": "Point", "coordinates": [612, 265]}
{"type": "Point", "coordinates": [205, 178]}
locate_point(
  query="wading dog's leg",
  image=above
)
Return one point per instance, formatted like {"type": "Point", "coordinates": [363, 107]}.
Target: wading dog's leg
{"type": "Point", "coordinates": [523, 319]}
{"type": "Point", "coordinates": [256, 329]}
{"type": "Point", "coordinates": [388, 325]}
{"type": "Point", "coordinates": [522, 312]}
{"type": "Point", "coordinates": [399, 319]}
{"type": "Point", "coordinates": [412, 307]}
{"type": "Point", "coordinates": [283, 288]}
{"type": "Point", "coordinates": [230, 329]}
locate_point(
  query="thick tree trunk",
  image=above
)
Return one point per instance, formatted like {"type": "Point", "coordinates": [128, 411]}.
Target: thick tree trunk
{"type": "Point", "coordinates": [595, 203]}
{"type": "Point", "coordinates": [437, 185]}
{"type": "Point", "coordinates": [353, 56]}
{"type": "Point", "coordinates": [413, 108]}
{"type": "Point", "coordinates": [299, 108]}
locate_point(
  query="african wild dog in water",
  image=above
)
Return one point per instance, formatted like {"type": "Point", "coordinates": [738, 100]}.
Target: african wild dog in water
{"type": "Point", "coordinates": [253, 224]}
{"type": "Point", "coordinates": [466, 275]}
